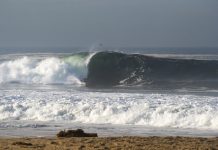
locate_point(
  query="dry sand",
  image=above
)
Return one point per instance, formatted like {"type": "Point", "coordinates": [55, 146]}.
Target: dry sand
{"type": "Point", "coordinates": [117, 143]}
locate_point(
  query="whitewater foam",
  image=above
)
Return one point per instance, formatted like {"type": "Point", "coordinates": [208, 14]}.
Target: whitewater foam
{"type": "Point", "coordinates": [151, 110]}
{"type": "Point", "coordinates": [51, 70]}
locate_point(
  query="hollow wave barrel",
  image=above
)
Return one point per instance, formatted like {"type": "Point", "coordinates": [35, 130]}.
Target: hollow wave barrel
{"type": "Point", "coordinates": [107, 69]}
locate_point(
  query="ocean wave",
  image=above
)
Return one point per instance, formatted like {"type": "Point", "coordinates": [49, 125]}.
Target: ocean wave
{"type": "Point", "coordinates": [114, 68]}
{"type": "Point", "coordinates": [109, 69]}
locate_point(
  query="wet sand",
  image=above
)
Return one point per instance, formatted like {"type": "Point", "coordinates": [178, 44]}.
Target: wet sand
{"type": "Point", "coordinates": [114, 143]}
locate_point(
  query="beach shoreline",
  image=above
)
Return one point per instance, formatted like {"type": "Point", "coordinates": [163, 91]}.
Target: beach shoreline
{"type": "Point", "coordinates": [130, 142]}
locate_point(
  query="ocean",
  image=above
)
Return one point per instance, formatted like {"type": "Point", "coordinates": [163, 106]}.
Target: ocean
{"type": "Point", "coordinates": [114, 92]}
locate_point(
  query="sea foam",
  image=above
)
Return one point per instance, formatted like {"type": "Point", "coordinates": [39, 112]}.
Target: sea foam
{"type": "Point", "coordinates": [149, 110]}
{"type": "Point", "coordinates": [44, 71]}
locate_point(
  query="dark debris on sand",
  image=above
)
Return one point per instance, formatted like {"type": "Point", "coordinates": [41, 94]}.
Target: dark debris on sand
{"type": "Point", "coordinates": [76, 133]}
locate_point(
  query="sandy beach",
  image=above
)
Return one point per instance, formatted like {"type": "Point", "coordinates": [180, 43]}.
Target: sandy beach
{"type": "Point", "coordinates": [110, 143]}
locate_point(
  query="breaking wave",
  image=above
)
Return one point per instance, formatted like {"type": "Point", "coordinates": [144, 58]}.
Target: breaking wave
{"type": "Point", "coordinates": [113, 68]}
{"type": "Point", "coordinates": [51, 70]}
{"type": "Point", "coordinates": [107, 69]}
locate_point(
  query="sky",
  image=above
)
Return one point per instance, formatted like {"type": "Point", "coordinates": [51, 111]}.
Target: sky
{"type": "Point", "coordinates": [115, 23]}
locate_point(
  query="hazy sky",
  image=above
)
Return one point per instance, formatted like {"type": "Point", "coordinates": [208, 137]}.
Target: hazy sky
{"type": "Point", "coordinates": [137, 23]}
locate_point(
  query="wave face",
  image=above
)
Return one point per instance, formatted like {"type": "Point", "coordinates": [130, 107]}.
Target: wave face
{"type": "Point", "coordinates": [51, 70]}
{"type": "Point", "coordinates": [113, 68]}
